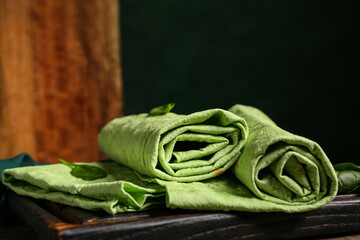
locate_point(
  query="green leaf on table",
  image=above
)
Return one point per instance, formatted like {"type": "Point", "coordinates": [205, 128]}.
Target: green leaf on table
{"type": "Point", "coordinates": [346, 166]}
{"type": "Point", "coordinates": [348, 177]}
{"type": "Point", "coordinates": [161, 110]}
{"type": "Point", "coordinates": [85, 172]}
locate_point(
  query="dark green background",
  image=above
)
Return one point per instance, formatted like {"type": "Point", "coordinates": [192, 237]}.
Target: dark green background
{"type": "Point", "coordinates": [298, 61]}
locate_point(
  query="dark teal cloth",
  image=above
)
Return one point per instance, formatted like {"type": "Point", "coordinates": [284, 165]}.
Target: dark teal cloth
{"type": "Point", "coordinates": [20, 160]}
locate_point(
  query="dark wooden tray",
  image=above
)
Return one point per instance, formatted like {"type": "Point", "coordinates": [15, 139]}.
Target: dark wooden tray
{"type": "Point", "coordinates": [55, 221]}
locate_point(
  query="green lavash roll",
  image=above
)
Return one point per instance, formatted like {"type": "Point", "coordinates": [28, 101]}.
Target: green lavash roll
{"type": "Point", "coordinates": [280, 167]}
{"type": "Point", "coordinates": [182, 148]}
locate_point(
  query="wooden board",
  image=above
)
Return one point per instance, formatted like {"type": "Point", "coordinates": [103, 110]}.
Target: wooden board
{"type": "Point", "coordinates": [55, 221]}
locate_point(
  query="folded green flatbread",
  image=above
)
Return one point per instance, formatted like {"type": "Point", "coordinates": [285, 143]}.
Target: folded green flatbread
{"type": "Point", "coordinates": [274, 171]}
{"type": "Point", "coordinates": [120, 191]}
{"type": "Point", "coordinates": [175, 147]}
{"type": "Point", "coordinates": [22, 159]}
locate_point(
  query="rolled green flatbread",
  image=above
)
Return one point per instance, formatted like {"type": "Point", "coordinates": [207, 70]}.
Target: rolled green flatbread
{"type": "Point", "coordinates": [182, 148]}
{"type": "Point", "coordinates": [281, 167]}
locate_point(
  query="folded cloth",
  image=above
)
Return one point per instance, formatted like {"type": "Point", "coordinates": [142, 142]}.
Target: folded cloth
{"type": "Point", "coordinates": [22, 159]}
{"type": "Point", "coordinates": [175, 147]}
{"type": "Point", "coordinates": [120, 191]}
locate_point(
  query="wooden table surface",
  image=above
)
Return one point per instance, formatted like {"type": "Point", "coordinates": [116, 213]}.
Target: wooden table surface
{"type": "Point", "coordinates": [14, 228]}
{"type": "Point", "coordinates": [28, 219]}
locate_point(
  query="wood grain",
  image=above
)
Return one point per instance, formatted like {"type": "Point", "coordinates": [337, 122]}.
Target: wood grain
{"type": "Point", "coordinates": [55, 221]}
{"type": "Point", "coordinates": [60, 77]}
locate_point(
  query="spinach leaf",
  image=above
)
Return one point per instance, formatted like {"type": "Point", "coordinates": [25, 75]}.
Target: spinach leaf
{"type": "Point", "coordinates": [161, 110]}
{"type": "Point", "coordinates": [85, 172]}
{"type": "Point", "coordinates": [348, 177]}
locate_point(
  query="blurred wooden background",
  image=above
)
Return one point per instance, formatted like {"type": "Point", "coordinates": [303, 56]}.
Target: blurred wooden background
{"type": "Point", "coordinates": [60, 77]}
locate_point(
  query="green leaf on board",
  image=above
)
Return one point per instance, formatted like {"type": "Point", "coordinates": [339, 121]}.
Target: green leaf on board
{"type": "Point", "coordinates": [85, 172]}
{"type": "Point", "coordinates": [161, 110]}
